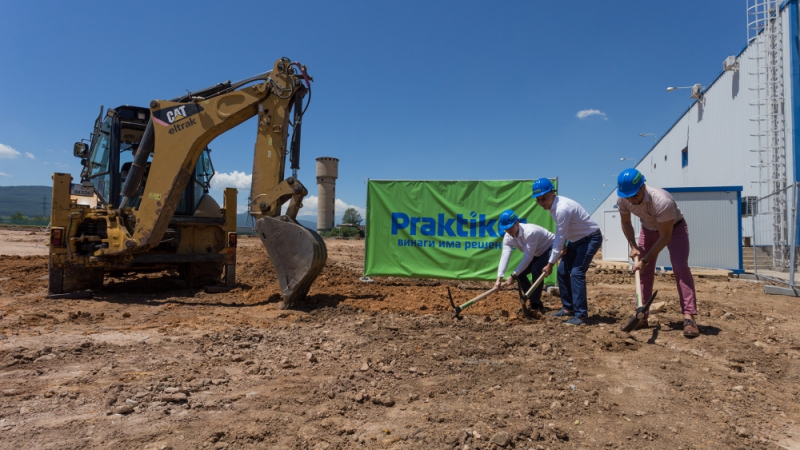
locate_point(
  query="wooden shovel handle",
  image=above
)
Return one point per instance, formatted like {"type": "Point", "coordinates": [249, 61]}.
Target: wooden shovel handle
{"type": "Point", "coordinates": [540, 279]}
{"type": "Point", "coordinates": [638, 282]}
{"type": "Point", "coordinates": [478, 298]}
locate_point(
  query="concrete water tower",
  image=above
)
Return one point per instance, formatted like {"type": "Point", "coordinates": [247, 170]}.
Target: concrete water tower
{"type": "Point", "coordinates": [327, 173]}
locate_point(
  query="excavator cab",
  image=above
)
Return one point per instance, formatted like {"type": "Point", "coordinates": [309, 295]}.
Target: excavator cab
{"type": "Point", "coordinates": [108, 161]}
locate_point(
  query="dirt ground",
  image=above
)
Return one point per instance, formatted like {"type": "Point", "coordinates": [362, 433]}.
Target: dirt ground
{"type": "Point", "coordinates": [23, 241]}
{"type": "Point", "coordinates": [150, 364]}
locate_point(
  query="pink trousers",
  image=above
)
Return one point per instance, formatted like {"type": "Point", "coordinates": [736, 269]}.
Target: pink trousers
{"type": "Point", "coordinates": [679, 257]}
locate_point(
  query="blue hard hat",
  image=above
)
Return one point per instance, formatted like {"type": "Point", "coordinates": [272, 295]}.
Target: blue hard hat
{"type": "Point", "coordinates": [542, 186]}
{"type": "Point", "coordinates": [507, 219]}
{"type": "Point", "coordinates": [629, 182]}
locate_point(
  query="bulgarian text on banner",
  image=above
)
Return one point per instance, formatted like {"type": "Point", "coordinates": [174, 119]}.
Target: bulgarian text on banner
{"type": "Point", "coordinates": [443, 229]}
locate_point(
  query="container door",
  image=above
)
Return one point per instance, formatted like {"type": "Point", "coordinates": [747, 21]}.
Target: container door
{"type": "Point", "coordinates": [615, 247]}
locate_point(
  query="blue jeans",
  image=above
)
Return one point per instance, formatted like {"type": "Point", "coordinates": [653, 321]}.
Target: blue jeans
{"type": "Point", "coordinates": [572, 273]}
{"type": "Point", "coordinates": [534, 269]}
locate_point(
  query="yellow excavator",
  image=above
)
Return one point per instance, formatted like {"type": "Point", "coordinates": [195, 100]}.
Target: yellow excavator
{"type": "Point", "coordinates": [142, 204]}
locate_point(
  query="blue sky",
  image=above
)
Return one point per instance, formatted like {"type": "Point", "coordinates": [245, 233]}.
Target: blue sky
{"type": "Point", "coordinates": [404, 90]}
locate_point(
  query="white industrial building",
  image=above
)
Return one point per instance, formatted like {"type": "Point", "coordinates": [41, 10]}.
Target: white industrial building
{"type": "Point", "coordinates": [732, 154]}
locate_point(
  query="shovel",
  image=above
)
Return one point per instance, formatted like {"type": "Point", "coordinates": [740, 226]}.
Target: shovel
{"type": "Point", "coordinates": [524, 300]}
{"type": "Point", "coordinates": [525, 296]}
{"type": "Point", "coordinates": [641, 313]}
{"type": "Point", "coordinates": [641, 309]}
{"type": "Point", "coordinates": [457, 309]}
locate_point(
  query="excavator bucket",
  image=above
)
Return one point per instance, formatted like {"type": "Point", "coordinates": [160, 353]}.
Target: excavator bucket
{"type": "Point", "coordinates": [297, 253]}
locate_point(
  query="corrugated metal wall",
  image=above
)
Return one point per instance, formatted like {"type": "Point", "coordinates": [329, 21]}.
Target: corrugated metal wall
{"type": "Point", "coordinates": [713, 219]}
{"type": "Point", "coordinates": [717, 135]}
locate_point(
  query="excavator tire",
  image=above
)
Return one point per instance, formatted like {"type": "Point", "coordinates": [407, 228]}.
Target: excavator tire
{"type": "Point", "coordinates": [297, 253]}
{"type": "Point", "coordinates": [201, 274]}
{"type": "Point", "coordinates": [69, 279]}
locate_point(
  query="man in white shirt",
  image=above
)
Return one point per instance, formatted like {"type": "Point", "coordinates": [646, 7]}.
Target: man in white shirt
{"type": "Point", "coordinates": [573, 224]}
{"type": "Point", "coordinates": [534, 242]}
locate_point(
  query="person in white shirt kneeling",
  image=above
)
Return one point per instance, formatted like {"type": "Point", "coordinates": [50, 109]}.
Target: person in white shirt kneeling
{"type": "Point", "coordinates": [534, 242]}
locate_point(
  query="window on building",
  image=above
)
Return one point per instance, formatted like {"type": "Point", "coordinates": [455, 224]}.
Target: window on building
{"type": "Point", "coordinates": [749, 206]}
{"type": "Point", "coordinates": [685, 157]}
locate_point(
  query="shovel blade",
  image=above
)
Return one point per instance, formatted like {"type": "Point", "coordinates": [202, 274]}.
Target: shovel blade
{"type": "Point", "coordinates": [523, 299]}
{"type": "Point", "coordinates": [297, 253]}
{"type": "Point", "coordinates": [456, 309]}
{"type": "Point", "coordinates": [641, 312]}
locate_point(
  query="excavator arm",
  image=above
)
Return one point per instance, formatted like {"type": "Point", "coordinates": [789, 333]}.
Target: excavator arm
{"type": "Point", "coordinates": [181, 128]}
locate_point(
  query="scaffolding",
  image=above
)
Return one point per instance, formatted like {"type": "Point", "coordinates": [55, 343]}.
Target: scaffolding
{"type": "Point", "coordinates": [765, 39]}
{"type": "Point", "coordinates": [250, 222]}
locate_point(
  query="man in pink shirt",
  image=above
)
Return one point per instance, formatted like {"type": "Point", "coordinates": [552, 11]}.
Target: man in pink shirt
{"type": "Point", "coordinates": [663, 225]}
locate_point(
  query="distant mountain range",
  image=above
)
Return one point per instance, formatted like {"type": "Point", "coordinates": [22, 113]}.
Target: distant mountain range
{"type": "Point", "coordinates": [35, 201]}
{"type": "Point", "coordinates": [29, 200]}
{"type": "Point", "coordinates": [241, 221]}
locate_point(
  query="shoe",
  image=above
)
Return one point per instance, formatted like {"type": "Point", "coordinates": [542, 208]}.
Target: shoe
{"type": "Point", "coordinates": [537, 307]}
{"type": "Point", "coordinates": [562, 313]}
{"type": "Point", "coordinates": [641, 324]}
{"type": "Point", "coordinates": [576, 321]}
{"type": "Point", "coordinates": [690, 329]}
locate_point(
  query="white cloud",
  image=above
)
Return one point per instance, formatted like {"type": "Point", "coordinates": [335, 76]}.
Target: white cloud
{"type": "Point", "coordinates": [3, 174]}
{"type": "Point", "coordinates": [590, 112]}
{"type": "Point", "coordinates": [30, 155]}
{"type": "Point", "coordinates": [241, 180]}
{"type": "Point", "coordinates": [7, 152]}
{"type": "Point", "coordinates": [311, 204]}
{"type": "Point", "coordinates": [236, 179]}
{"type": "Point", "coordinates": [341, 207]}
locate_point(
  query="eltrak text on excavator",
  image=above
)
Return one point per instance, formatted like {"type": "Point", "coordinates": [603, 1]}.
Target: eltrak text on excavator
{"type": "Point", "coordinates": [142, 204]}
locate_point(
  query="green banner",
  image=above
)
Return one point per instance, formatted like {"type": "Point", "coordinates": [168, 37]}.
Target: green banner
{"type": "Point", "coordinates": [444, 229]}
